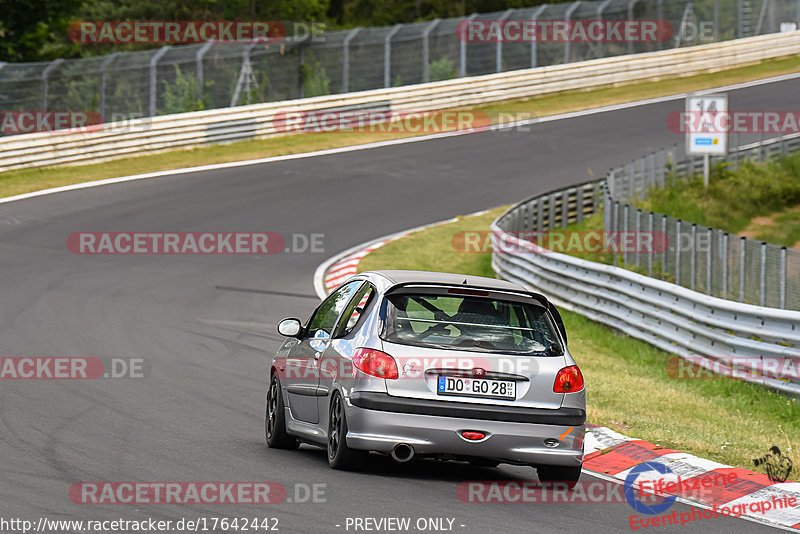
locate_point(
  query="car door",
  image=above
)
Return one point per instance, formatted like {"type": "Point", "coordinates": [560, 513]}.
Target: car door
{"type": "Point", "coordinates": [337, 357]}
{"type": "Point", "coordinates": [302, 360]}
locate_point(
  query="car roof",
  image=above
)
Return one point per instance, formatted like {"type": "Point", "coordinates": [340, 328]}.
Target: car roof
{"type": "Point", "coordinates": [399, 277]}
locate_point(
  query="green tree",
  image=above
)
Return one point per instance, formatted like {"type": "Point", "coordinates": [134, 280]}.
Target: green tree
{"type": "Point", "coordinates": [29, 28]}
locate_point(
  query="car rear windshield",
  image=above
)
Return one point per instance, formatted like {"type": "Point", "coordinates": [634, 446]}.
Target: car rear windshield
{"type": "Point", "coordinates": [470, 323]}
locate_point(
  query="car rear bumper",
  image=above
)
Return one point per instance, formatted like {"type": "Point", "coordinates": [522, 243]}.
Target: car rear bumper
{"type": "Point", "coordinates": [378, 422]}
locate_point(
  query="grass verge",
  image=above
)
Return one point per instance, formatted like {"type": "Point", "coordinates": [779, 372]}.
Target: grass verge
{"type": "Point", "coordinates": [735, 198]}
{"type": "Point", "coordinates": [27, 180]}
{"type": "Point", "coordinates": [628, 386]}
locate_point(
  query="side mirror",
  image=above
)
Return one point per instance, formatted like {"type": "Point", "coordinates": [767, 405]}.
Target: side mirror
{"type": "Point", "coordinates": [290, 327]}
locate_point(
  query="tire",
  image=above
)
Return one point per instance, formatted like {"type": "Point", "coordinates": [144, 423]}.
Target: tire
{"type": "Point", "coordinates": [557, 473]}
{"type": "Point", "coordinates": [340, 456]}
{"type": "Point", "coordinates": [275, 419]}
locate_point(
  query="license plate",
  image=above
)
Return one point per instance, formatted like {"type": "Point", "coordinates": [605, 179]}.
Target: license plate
{"type": "Point", "coordinates": [476, 387]}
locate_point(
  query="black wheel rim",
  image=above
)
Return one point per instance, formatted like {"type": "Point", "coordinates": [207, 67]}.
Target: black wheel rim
{"type": "Point", "coordinates": [335, 427]}
{"type": "Point", "coordinates": [272, 404]}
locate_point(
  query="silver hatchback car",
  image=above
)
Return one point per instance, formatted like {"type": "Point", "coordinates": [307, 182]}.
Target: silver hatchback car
{"type": "Point", "coordinates": [420, 364]}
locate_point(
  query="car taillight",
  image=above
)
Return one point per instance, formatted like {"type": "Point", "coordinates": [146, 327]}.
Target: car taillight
{"type": "Point", "coordinates": [375, 363]}
{"type": "Point", "coordinates": [568, 380]}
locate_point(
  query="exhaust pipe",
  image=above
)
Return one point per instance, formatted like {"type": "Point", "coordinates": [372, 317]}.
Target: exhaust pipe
{"type": "Point", "coordinates": [402, 452]}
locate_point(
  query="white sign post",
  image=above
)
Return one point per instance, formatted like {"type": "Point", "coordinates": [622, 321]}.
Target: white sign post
{"type": "Point", "coordinates": [706, 124]}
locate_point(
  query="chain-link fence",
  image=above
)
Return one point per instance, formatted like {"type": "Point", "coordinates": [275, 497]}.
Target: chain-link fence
{"type": "Point", "coordinates": [703, 259]}
{"type": "Point", "coordinates": [216, 75]}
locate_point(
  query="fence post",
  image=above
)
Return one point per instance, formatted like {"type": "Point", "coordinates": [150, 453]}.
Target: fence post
{"type": "Point", "coordinates": [783, 278]}
{"type": "Point", "coordinates": [201, 53]}
{"type": "Point", "coordinates": [45, 75]}
{"type": "Point", "coordinates": [631, 5]}
{"type": "Point", "coordinates": [709, 258]}
{"type": "Point", "coordinates": [602, 7]}
{"type": "Point", "coordinates": [567, 17]}
{"type": "Point", "coordinates": [692, 258]}
{"type": "Point", "coordinates": [742, 253]}
{"type": "Point", "coordinates": [102, 85]}
{"type": "Point", "coordinates": [154, 78]}
{"type": "Point", "coordinates": [652, 240]}
{"type": "Point", "coordinates": [615, 224]}
{"type": "Point", "coordinates": [638, 229]}
{"type": "Point", "coordinates": [666, 245]}
{"type": "Point", "coordinates": [678, 252]}
{"type": "Point", "coordinates": [463, 47]}
{"type": "Point", "coordinates": [534, 18]}
{"type": "Point", "coordinates": [763, 281]}
{"type": "Point", "coordinates": [499, 48]}
{"type": "Point", "coordinates": [387, 55]}
{"type": "Point", "coordinates": [716, 19]}
{"type": "Point", "coordinates": [625, 210]}
{"type": "Point", "coordinates": [724, 255]}
{"type": "Point", "coordinates": [740, 13]}
{"type": "Point", "coordinates": [579, 205]}
{"type": "Point", "coordinates": [245, 76]}
{"type": "Point", "coordinates": [346, 59]}
{"type": "Point", "coordinates": [426, 50]}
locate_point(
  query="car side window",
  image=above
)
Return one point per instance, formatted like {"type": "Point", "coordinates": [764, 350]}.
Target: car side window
{"type": "Point", "coordinates": [325, 316]}
{"type": "Point", "coordinates": [354, 311]}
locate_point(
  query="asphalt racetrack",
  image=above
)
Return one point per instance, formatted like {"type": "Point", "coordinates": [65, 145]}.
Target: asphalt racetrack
{"type": "Point", "coordinates": [204, 326]}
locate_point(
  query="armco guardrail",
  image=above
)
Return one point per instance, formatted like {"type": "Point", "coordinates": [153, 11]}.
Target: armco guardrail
{"type": "Point", "coordinates": [712, 332]}
{"type": "Point", "coordinates": [186, 130]}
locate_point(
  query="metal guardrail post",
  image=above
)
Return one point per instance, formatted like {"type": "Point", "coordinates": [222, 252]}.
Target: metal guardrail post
{"type": "Point", "coordinates": [615, 225]}
{"type": "Point", "coordinates": [567, 17]}
{"type": "Point", "coordinates": [693, 258]}
{"type": "Point", "coordinates": [499, 49]}
{"type": "Point", "coordinates": [740, 17]}
{"type": "Point", "coordinates": [678, 252]}
{"type": "Point", "coordinates": [742, 253]}
{"type": "Point", "coordinates": [426, 50]}
{"type": "Point", "coordinates": [245, 75]}
{"type": "Point", "coordinates": [638, 230]}
{"type": "Point", "coordinates": [709, 259]}
{"type": "Point", "coordinates": [631, 5]}
{"type": "Point", "coordinates": [387, 55]}
{"type": "Point", "coordinates": [762, 289]}
{"type": "Point", "coordinates": [724, 256]}
{"type": "Point", "coordinates": [154, 78]}
{"type": "Point", "coordinates": [602, 7]}
{"type": "Point", "coordinates": [761, 16]}
{"type": "Point", "coordinates": [199, 68]}
{"type": "Point", "coordinates": [346, 59]}
{"type": "Point", "coordinates": [660, 16]}
{"type": "Point", "coordinates": [625, 233]}
{"type": "Point", "coordinates": [101, 89]}
{"type": "Point", "coordinates": [650, 216]}
{"type": "Point", "coordinates": [783, 279]}
{"type": "Point", "coordinates": [463, 47]}
{"type": "Point", "coordinates": [534, 19]}
{"type": "Point", "coordinates": [666, 246]}
{"type": "Point", "coordinates": [45, 75]}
